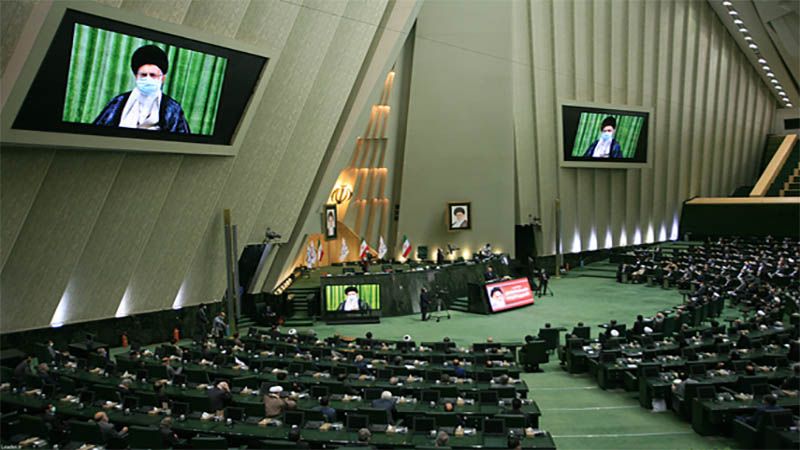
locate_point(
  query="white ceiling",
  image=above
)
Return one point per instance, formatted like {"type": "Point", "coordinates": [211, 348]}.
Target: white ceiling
{"type": "Point", "coordinates": [774, 26]}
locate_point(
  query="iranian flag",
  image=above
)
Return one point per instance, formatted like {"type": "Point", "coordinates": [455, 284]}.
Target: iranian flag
{"type": "Point", "coordinates": [311, 255]}
{"type": "Point", "coordinates": [320, 251]}
{"type": "Point", "coordinates": [406, 247]}
{"type": "Point", "coordinates": [363, 249]}
{"type": "Point", "coordinates": [345, 251]}
{"type": "Point", "coordinates": [382, 249]}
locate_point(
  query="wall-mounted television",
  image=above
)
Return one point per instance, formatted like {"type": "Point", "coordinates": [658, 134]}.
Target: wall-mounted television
{"type": "Point", "coordinates": [352, 298]}
{"type": "Point", "coordinates": [101, 78]}
{"type": "Point", "coordinates": [604, 136]}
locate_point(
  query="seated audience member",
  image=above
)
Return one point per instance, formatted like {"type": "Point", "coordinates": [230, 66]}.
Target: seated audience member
{"type": "Point", "coordinates": [442, 438]}
{"type": "Point", "coordinates": [364, 436]}
{"type": "Point", "coordinates": [769, 404]}
{"type": "Point", "coordinates": [386, 402]}
{"type": "Point", "coordinates": [219, 396]}
{"type": "Point", "coordinates": [168, 437]}
{"type": "Point", "coordinates": [23, 369]}
{"type": "Point", "coordinates": [274, 404]}
{"type": "Point", "coordinates": [43, 372]}
{"type": "Point", "coordinates": [327, 411]}
{"type": "Point", "coordinates": [516, 406]}
{"type": "Point", "coordinates": [107, 429]}
{"type": "Point", "coordinates": [458, 369]}
{"type": "Point", "coordinates": [294, 436]}
{"type": "Point", "coordinates": [792, 383]}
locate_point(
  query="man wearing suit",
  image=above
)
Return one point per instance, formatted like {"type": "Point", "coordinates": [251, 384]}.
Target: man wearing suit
{"type": "Point", "coordinates": [386, 402]}
{"type": "Point", "coordinates": [327, 412]}
{"type": "Point", "coordinates": [489, 275]}
{"type": "Point", "coordinates": [219, 396]}
{"type": "Point", "coordinates": [424, 303]}
{"type": "Point", "coordinates": [201, 323]}
{"type": "Point", "coordinates": [770, 404]}
{"type": "Point", "coordinates": [107, 429]}
{"type": "Point", "coordinates": [606, 147]}
{"type": "Point", "coordinates": [638, 326]}
{"type": "Point", "coordinates": [168, 437]}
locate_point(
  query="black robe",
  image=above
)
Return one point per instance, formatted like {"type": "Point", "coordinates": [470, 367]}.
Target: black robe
{"type": "Point", "coordinates": [170, 115]}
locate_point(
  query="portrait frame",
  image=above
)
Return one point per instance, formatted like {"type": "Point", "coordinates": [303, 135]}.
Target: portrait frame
{"type": "Point", "coordinates": [330, 211]}
{"type": "Point", "coordinates": [452, 220]}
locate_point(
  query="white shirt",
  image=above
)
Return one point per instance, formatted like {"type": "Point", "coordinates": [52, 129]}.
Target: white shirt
{"type": "Point", "coordinates": [141, 111]}
{"type": "Point", "coordinates": [351, 304]}
{"type": "Point", "coordinates": [602, 149]}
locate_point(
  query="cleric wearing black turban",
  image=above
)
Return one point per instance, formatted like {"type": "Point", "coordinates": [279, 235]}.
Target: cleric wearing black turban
{"type": "Point", "coordinates": [146, 107]}
{"type": "Point", "coordinates": [606, 146]}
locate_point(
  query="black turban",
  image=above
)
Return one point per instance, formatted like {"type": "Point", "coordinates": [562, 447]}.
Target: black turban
{"type": "Point", "coordinates": [609, 121]}
{"type": "Point", "coordinates": [149, 54]}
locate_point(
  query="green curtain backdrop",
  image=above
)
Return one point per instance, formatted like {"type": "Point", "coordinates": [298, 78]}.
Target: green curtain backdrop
{"type": "Point", "coordinates": [370, 293]}
{"type": "Point", "coordinates": [100, 70]}
{"type": "Point", "coordinates": [627, 133]}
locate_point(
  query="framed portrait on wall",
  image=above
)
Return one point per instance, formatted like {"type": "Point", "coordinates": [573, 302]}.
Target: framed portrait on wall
{"type": "Point", "coordinates": [331, 221]}
{"type": "Point", "coordinates": [459, 216]}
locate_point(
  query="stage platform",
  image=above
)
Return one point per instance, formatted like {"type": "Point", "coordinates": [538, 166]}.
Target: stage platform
{"type": "Point", "coordinates": [401, 286]}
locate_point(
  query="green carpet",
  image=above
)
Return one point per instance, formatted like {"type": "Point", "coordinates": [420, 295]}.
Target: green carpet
{"type": "Point", "coordinates": [574, 409]}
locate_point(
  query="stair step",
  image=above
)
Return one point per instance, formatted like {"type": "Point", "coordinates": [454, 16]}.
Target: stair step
{"type": "Point", "coordinates": [303, 322]}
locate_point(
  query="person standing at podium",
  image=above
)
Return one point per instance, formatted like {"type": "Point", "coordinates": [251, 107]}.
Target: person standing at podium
{"type": "Point", "coordinates": [489, 275]}
{"type": "Point", "coordinates": [424, 303]}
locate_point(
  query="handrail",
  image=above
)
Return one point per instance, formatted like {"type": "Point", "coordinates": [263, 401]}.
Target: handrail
{"type": "Point", "coordinates": [774, 167]}
{"type": "Point", "coordinates": [744, 201]}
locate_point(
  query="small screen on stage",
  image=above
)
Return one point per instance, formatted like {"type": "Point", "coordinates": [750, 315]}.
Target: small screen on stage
{"type": "Point", "coordinates": [509, 294]}
{"type": "Point", "coordinates": [353, 298]}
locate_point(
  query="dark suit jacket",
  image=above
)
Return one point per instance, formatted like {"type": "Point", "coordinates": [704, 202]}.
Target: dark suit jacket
{"type": "Point", "coordinates": [108, 431]}
{"type": "Point", "coordinates": [218, 398]}
{"type": "Point", "coordinates": [170, 115]}
{"type": "Point", "coordinates": [388, 405]}
{"type": "Point", "coordinates": [168, 437]}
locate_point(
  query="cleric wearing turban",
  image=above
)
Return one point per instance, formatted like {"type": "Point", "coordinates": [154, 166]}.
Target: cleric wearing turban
{"type": "Point", "coordinates": [146, 107]}
{"type": "Point", "coordinates": [606, 146]}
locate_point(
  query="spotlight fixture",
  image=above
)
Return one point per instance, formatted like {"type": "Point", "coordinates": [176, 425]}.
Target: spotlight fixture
{"type": "Point", "coordinates": [773, 81]}
{"type": "Point", "coordinates": [765, 68]}
{"type": "Point", "coordinates": [762, 61]}
{"type": "Point", "coordinates": [733, 12]}
{"type": "Point", "coordinates": [748, 38]}
{"type": "Point", "coordinates": [726, 3]}
{"type": "Point", "coordinates": [738, 21]}
{"type": "Point", "coordinates": [770, 74]}
{"type": "Point", "coordinates": [789, 105]}
{"type": "Point", "coordinates": [753, 46]}
{"type": "Point", "coordinates": [743, 30]}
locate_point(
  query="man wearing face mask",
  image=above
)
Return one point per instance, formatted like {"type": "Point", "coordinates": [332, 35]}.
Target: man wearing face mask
{"type": "Point", "coordinates": [352, 301]}
{"type": "Point", "coordinates": [146, 107]}
{"type": "Point", "coordinates": [605, 147]}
